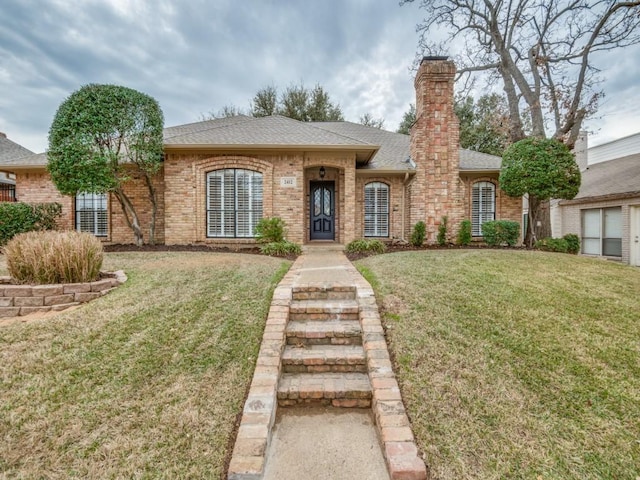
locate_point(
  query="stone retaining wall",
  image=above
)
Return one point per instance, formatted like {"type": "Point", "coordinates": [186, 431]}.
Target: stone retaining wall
{"type": "Point", "coordinates": [16, 300]}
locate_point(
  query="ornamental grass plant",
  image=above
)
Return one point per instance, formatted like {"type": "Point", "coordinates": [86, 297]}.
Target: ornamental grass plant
{"type": "Point", "coordinates": [54, 257]}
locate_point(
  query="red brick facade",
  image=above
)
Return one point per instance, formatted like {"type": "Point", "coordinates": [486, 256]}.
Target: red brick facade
{"type": "Point", "coordinates": [37, 187]}
{"type": "Point", "coordinates": [435, 189]}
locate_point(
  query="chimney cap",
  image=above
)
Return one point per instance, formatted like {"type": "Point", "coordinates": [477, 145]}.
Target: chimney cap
{"type": "Point", "coordinates": [434, 58]}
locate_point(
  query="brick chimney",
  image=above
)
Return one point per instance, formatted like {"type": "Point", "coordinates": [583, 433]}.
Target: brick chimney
{"type": "Point", "coordinates": [3, 135]}
{"type": "Point", "coordinates": [436, 189]}
{"type": "Point", "coordinates": [580, 150]}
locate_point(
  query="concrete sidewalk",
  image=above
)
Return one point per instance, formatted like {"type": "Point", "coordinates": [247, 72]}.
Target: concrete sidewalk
{"type": "Point", "coordinates": [324, 443]}
{"type": "Point", "coordinates": [327, 443]}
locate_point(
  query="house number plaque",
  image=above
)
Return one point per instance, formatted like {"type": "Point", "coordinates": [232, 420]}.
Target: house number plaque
{"type": "Point", "coordinates": [288, 182]}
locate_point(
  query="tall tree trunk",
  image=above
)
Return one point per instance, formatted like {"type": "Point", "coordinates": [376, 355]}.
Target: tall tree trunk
{"type": "Point", "coordinates": [130, 216]}
{"type": "Point", "coordinates": [539, 224]}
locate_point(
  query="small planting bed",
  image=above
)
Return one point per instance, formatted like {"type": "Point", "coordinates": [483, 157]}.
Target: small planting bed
{"type": "Point", "coordinates": [17, 300]}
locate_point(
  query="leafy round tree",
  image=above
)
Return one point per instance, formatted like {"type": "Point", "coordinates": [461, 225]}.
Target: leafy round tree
{"type": "Point", "coordinates": [542, 169]}
{"type": "Point", "coordinates": [102, 134]}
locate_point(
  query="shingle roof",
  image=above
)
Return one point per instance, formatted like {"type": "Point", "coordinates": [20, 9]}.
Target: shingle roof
{"type": "Point", "coordinates": [10, 151]}
{"type": "Point", "coordinates": [613, 177]}
{"type": "Point", "coordinates": [471, 160]}
{"type": "Point", "coordinates": [275, 131]}
{"type": "Point", "coordinates": [394, 147]}
{"type": "Point", "coordinates": [390, 150]}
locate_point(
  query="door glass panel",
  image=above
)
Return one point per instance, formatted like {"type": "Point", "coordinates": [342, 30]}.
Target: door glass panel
{"type": "Point", "coordinates": [327, 201]}
{"type": "Point", "coordinates": [317, 205]}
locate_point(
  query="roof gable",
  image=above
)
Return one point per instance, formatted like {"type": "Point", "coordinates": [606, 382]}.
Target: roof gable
{"type": "Point", "coordinates": [10, 151]}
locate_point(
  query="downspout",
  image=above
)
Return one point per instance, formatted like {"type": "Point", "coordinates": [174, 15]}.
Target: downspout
{"type": "Point", "coordinates": [404, 194]}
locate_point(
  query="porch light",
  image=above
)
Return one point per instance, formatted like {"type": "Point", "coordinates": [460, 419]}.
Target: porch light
{"type": "Point", "coordinates": [322, 172]}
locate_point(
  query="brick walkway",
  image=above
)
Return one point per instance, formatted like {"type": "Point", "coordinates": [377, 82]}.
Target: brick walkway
{"type": "Point", "coordinates": [324, 346]}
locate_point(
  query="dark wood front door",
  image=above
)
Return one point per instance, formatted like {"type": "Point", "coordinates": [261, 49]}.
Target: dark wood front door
{"type": "Point", "coordinates": [322, 211]}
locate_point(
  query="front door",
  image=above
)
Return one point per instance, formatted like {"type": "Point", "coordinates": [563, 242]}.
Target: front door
{"type": "Point", "coordinates": [634, 213]}
{"type": "Point", "coordinates": [322, 211]}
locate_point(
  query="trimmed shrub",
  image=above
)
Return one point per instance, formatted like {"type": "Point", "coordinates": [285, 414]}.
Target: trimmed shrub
{"type": "Point", "coordinates": [280, 249]}
{"type": "Point", "coordinates": [270, 230]}
{"type": "Point", "coordinates": [573, 243]}
{"type": "Point", "coordinates": [22, 217]}
{"type": "Point", "coordinates": [365, 246]}
{"type": "Point", "coordinates": [499, 232]}
{"type": "Point", "coordinates": [442, 231]}
{"type": "Point", "coordinates": [418, 235]}
{"type": "Point", "coordinates": [464, 234]}
{"type": "Point", "coordinates": [54, 257]}
{"type": "Point", "coordinates": [552, 245]}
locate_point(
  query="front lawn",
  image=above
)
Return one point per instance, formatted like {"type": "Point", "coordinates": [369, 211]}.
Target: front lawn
{"type": "Point", "coordinates": [145, 382]}
{"type": "Point", "coordinates": [516, 364]}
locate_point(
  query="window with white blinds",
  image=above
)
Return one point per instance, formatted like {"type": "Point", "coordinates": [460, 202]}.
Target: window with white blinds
{"type": "Point", "coordinates": [602, 231]}
{"type": "Point", "coordinates": [376, 209]}
{"type": "Point", "coordinates": [483, 208]}
{"type": "Point", "coordinates": [91, 213]}
{"type": "Point", "coordinates": [234, 202]}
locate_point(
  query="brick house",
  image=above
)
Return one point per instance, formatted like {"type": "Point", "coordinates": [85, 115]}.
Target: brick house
{"type": "Point", "coordinates": [606, 211]}
{"type": "Point", "coordinates": [333, 181]}
{"type": "Point", "coordinates": [9, 151]}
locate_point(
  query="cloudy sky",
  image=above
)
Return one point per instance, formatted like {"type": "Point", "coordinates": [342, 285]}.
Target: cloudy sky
{"type": "Point", "coordinates": [196, 56]}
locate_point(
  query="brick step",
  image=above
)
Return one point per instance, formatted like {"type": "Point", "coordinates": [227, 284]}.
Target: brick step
{"type": "Point", "coordinates": [324, 358]}
{"type": "Point", "coordinates": [324, 332]}
{"type": "Point", "coordinates": [323, 292]}
{"type": "Point", "coordinates": [327, 389]}
{"type": "Point", "coordinates": [323, 310]}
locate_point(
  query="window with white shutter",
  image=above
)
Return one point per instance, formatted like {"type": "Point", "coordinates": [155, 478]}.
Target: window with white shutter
{"type": "Point", "coordinates": [376, 209]}
{"type": "Point", "coordinates": [483, 206]}
{"type": "Point", "coordinates": [234, 202]}
{"type": "Point", "coordinates": [91, 213]}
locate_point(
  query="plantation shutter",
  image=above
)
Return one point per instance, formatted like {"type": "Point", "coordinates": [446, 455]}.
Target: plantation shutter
{"type": "Point", "coordinates": [91, 213]}
{"type": "Point", "coordinates": [234, 202]}
{"type": "Point", "coordinates": [483, 206]}
{"type": "Point", "coordinates": [376, 210]}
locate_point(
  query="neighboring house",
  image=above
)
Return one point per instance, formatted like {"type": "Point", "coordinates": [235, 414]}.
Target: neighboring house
{"type": "Point", "coordinates": [333, 181]}
{"type": "Point", "coordinates": [8, 151]}
{"type": "Point", "coordinates": [606, 211]}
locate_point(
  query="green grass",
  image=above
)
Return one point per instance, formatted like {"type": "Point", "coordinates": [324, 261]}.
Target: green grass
{"type": "Point", "coordinates": [146, 382]}
{"type": "Point", "coordinates": [516, 364]}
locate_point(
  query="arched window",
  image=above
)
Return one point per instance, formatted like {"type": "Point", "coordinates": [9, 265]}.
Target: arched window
{"type": "Point", "coordinates": [376, 209]}
{"type": "Point", "coordinates": [483, 206]}
{"type": "Point", "coordinates": [91, 213]}
{"type": "Point", "coordinates": [234, 202]}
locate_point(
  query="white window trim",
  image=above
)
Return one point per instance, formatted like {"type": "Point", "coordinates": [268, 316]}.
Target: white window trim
{"type": "Point", "coordinates": [380, 211]}
{"type": "Point", "coordinates": [601, 232]}
{"type": "Point", "coordinates": [482, 214]}
{"type": "Point", "coordinates": [96, 219]}
{"type": "Point", "coordinates": [242, 217]}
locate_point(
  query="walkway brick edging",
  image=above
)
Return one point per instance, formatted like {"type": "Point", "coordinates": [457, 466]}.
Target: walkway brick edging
{"type": "Point", "coordinates": [258, 416]}
{"type": "Point", "coordinates": [392, 424]}
{"type": "Point", "coordinates": [18, 300]}
{"type": "Point", "coordinates": [259, 413]}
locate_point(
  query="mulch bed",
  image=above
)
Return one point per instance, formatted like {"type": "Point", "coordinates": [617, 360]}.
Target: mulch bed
{"type": "Point", "coordinates": [120, 247]}
{"type": "Point", "coordinates": [129, 247]}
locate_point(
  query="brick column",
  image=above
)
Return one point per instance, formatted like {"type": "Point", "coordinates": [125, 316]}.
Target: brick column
{"type": "Point", "coordinates": [437, 189]}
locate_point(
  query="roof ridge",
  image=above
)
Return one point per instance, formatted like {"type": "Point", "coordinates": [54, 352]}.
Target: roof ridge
{"type": "Point", "coordinates": [314, 125]}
